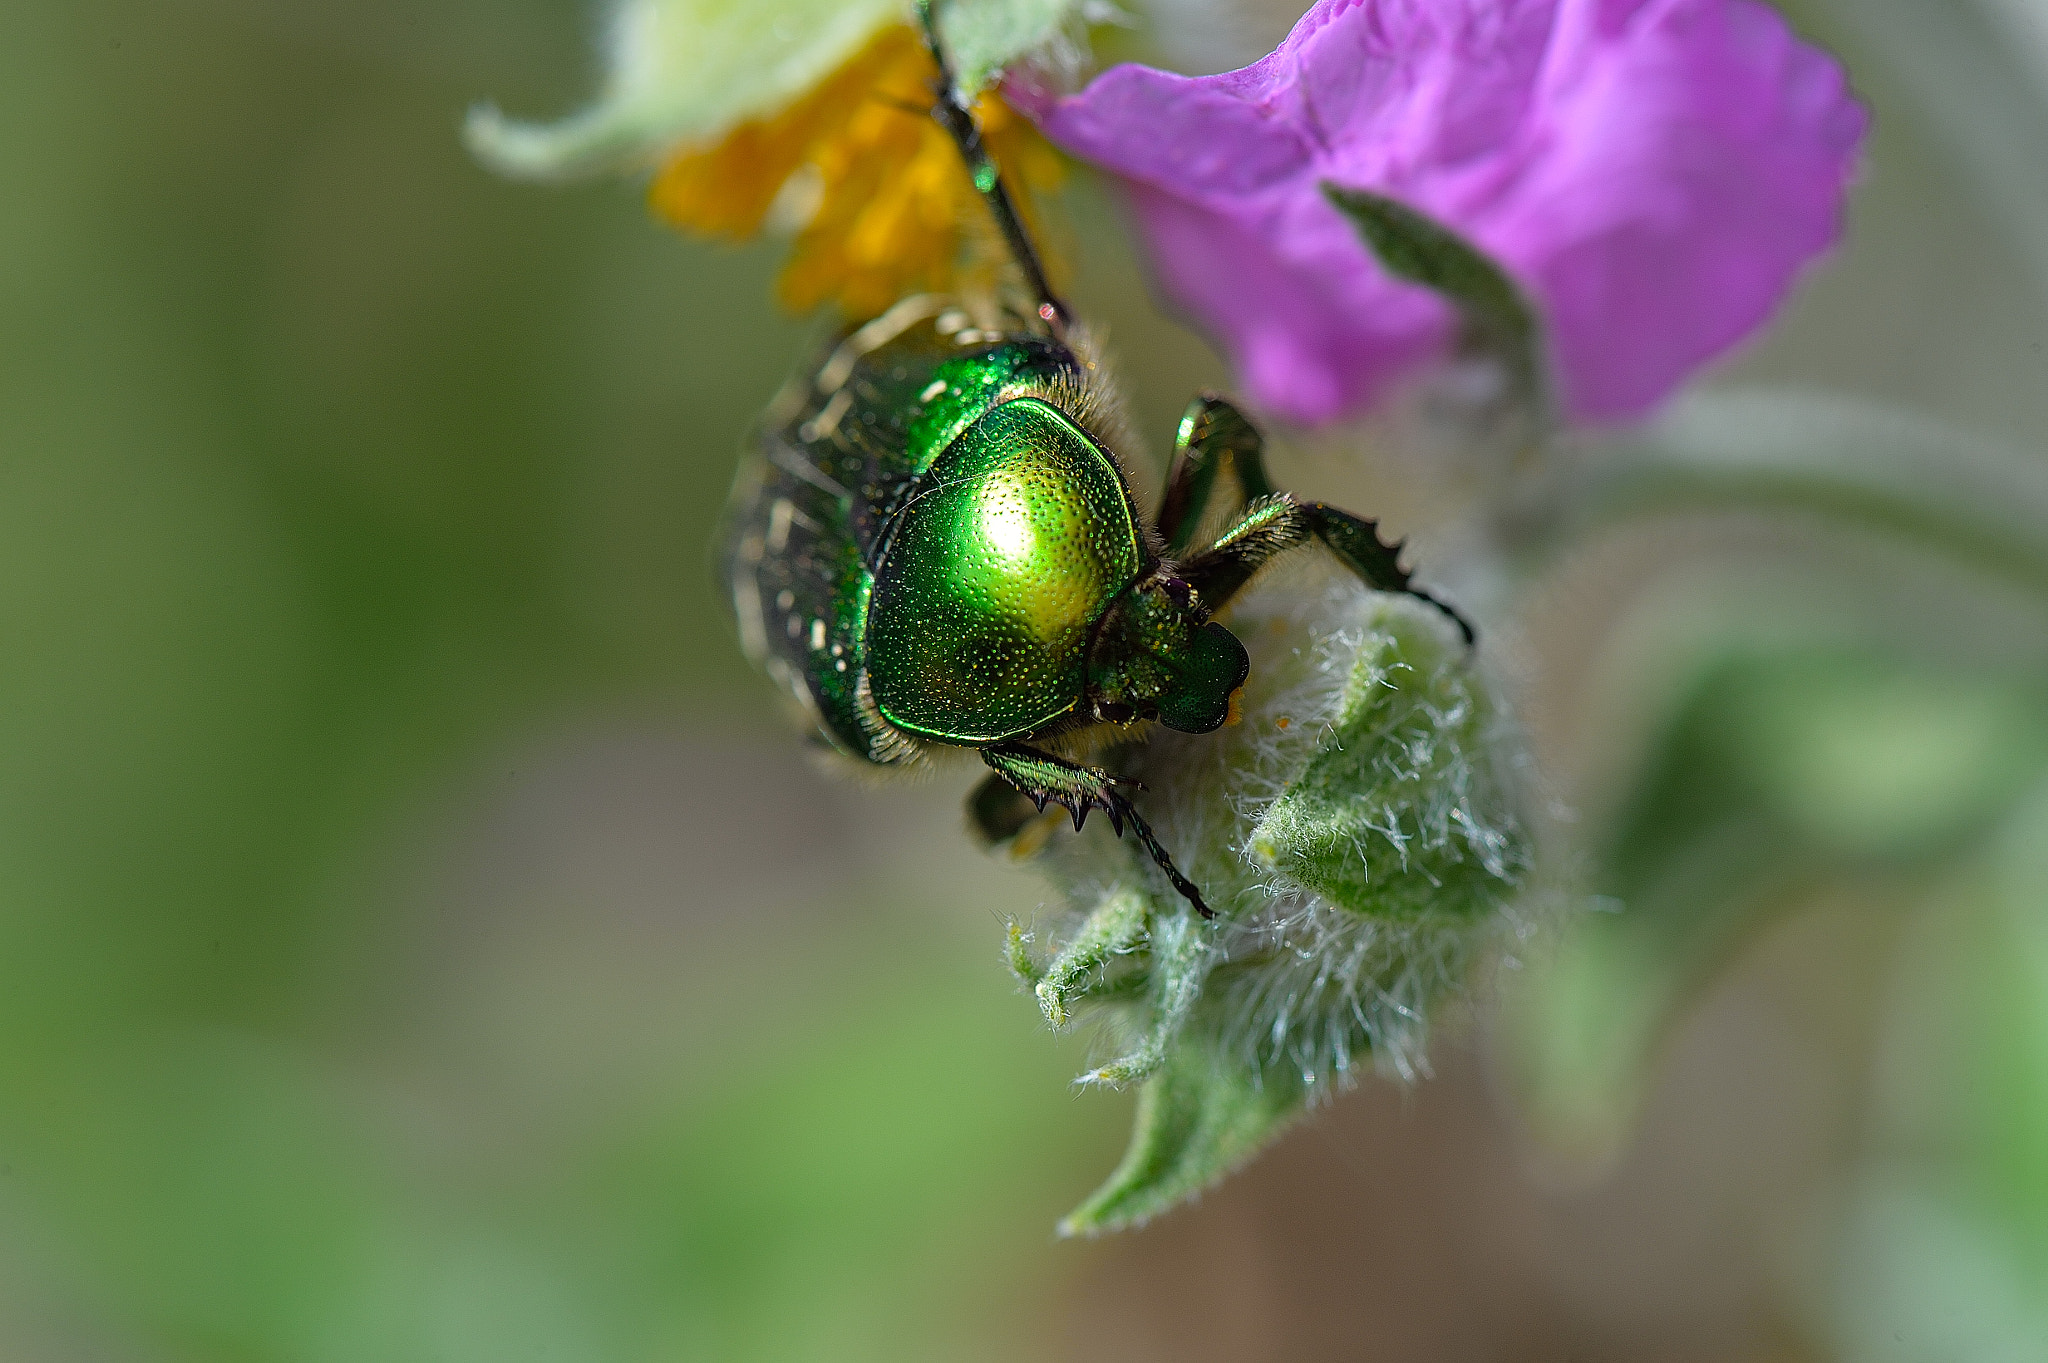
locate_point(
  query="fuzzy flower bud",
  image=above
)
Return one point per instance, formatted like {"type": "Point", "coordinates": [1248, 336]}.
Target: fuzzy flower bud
{"type": "Point", "coordinates": [1357, 834]}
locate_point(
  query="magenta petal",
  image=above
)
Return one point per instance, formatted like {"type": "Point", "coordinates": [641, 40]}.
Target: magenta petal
{"type": "Point", "coordinates": [1313, 334]}
{"type": "Point", "coordinates": [1654, 173]}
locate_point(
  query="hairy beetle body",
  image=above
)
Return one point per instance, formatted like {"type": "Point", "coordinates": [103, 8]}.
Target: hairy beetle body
{"type": "Point", "coordinates": [927, 533]}
{"type": "Point", "coordinates": [933, 543]}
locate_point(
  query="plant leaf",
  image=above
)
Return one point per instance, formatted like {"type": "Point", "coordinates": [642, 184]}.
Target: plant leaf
{"type": "Point", "coordinates": [1198, 1119]}
{"type": "Point", "coordinates": [1943, 1232]}
{"type": "Point", "coordinates": [1782, 769]}
{"type": "Point", "coordinates": [1410, 245]}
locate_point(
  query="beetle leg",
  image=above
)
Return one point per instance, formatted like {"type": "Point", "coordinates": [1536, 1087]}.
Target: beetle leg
{"type": "Point", "coordinates": [1214, 438]}
{"type": "Point", "coordinates": [1048, 779]}
{"type": "Point", "coordinates": [1358, 544]}
{"type": "Point", "coordinates": [1181, 958]}
{"type": "Point", "coordinates": [998, 811]}
{"type": "Point", "coordinates": [950, 111]}
{"type": "Point", "coordinates": [1266, 530]}
{"type": "Point", "coordinates": [1282, 522]}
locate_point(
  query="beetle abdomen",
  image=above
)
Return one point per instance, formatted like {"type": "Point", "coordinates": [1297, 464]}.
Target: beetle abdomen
{"type": "Point", "coordinates": [1017, 539]}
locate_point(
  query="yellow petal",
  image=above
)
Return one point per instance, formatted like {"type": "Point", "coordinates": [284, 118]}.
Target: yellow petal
{"type": "Point", "coordinates": [895, 211]}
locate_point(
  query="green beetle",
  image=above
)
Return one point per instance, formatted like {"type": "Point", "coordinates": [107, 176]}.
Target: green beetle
{"type": "Point", "coordinates": [935, 543]}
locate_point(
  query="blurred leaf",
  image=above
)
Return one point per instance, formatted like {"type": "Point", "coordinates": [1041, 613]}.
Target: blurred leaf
{"type": "Point", "coordinates": [1781, 769]}
{"type": "Point", "coordinates": [1198, 1119]}
{"type": "Point", "coordinates": [1945, 1237]}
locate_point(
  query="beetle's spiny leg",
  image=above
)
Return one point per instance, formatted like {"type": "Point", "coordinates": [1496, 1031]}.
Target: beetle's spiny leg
{"type": "Point", "coordinates": [1164, 861]}
{"type": "Point", "coordinates": [1047, 778]}
{"type": "Point", "coordinates": [1357, 542]}
{"type": "Point", "coordinates": [1214, 439]}
{"type": "Point", "coordinates": [1266, 530]}
{"type": "Point", "coordinates": [1465, 626]}
{"type": "Point", "coordinates": [997, 812]}
{"type": "Point", "coordinates": [1283, 522]}
{"type": "Point", "coordinates": [957, 119]}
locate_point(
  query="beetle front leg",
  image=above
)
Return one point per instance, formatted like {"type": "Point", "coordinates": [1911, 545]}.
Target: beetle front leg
{"type": "Point", "coordinates": [1283, 522]}
{"type": "Point", "coordinates": [1357, 543]}
{"type": "Point", "coordinates": [1214, 439]}
{"type": "Point", "coordinates": [1053, 780]}
{"type": "Point", "coordinates": [953, 114]}
{"type": "Point", "coordinates": [1001, 816]}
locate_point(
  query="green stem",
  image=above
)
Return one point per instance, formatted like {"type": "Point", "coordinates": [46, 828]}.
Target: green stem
{"type": "Point", "coordinates": [1894, 474]}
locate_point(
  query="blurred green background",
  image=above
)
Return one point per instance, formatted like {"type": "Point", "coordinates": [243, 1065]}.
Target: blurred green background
{"type": "Point", "coordinates": [421, 940]}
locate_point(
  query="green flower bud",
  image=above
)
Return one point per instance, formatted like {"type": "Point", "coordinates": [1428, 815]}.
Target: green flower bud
{"type": "Point", "coordinates": [1358, 835]}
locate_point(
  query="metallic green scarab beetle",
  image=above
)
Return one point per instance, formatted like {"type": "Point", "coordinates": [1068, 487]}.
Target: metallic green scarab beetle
{"type": "Point", "coordinates": [934, 544]}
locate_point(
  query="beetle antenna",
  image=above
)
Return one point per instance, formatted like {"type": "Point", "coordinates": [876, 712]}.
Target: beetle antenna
{"type": "Point", "coordinates": [957, 119]}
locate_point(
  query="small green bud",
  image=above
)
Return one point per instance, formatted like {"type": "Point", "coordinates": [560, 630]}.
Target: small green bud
{"type": "Point", "coordinates": [1358, 835]}
{"type": "Point", "coordinates": [1391, 815]}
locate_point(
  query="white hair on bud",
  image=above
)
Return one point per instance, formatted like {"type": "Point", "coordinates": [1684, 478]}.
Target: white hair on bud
{"type": "Point", "coordinates": [1300, 980]}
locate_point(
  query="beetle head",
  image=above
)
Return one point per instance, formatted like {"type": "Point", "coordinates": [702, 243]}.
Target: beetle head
{"type": "Point", "coordinates": [1157, 655]}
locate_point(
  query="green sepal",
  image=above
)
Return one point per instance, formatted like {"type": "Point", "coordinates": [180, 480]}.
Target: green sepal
{"type": "Point", "coordinates": [1398, 813]}
{"type": "Point", "coordinates": [1199, 1117]}
{"type": "Point", "coordinates": [1498, 318]}
{"type": "Point", "coordinates": [982, 37]}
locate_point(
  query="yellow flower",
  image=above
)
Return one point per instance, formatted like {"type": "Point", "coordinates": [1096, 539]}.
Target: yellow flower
{"type": "Point", "coordinates": [885, 202]}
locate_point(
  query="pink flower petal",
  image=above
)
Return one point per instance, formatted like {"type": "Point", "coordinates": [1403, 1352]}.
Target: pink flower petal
{"type": "Point", "coordinates": [1654, 173]}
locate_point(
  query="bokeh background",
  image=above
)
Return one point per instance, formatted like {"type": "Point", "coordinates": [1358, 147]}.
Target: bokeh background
{"type": "Point", "coordinates": [421, 939]}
